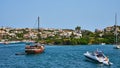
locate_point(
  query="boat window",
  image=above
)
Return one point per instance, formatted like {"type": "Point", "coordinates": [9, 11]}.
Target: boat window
{"type": "Point", "coordinates": [100, 54]}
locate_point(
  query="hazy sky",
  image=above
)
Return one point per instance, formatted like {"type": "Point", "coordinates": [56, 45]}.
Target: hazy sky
{"type": "Point", "coordinates": [66, 14]}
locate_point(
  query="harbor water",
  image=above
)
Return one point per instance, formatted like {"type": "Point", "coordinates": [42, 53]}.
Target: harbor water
{"type": "Point", "coordinates": [56, 57]}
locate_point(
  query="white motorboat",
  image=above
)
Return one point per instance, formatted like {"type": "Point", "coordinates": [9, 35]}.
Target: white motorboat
{"type": "Point", "coordinates": [117, 47]}
{"type": "Point", "coordinates": [98, 56]}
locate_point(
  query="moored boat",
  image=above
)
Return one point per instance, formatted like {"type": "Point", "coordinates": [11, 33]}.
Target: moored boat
{"type": "Point", "coordinates": [98, 56]}
{"type": "Point", "coordinates": [36, 48]}
{"type": "Point", "coordinates": [117, 46]}
{"type": "Point", "coordinates": [5, 42]}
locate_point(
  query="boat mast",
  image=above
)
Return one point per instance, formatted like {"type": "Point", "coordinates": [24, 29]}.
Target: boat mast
{"type": "Point", "coordinates": [38, 23]}
{"type": "Point", "coordinates": [116, 28]}
{"type": "Point", "coordinates": [38, 28]}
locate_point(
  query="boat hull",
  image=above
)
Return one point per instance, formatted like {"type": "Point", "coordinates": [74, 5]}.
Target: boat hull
{"type": "Point", "coordinates": [117, 47]}
{"type": "Point", "coordinates": [92, 58]}
{"type": "Point", "coordinates": [87, 55]}
{"type": "Point", "coordinates": [34, 49]}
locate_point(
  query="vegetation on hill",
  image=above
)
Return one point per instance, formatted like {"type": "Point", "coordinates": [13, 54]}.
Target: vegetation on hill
{"type": "Point", "coordinates": [62, 37]}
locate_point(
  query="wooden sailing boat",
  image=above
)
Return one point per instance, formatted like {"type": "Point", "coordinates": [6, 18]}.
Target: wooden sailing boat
{"type": "Point", "coordinates": [117, 46]}
{"type": "Point", "coordinates": [36, 48]}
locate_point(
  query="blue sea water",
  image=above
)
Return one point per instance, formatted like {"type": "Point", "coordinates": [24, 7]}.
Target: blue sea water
{"type": "Point", "coordinates": [56, 57]}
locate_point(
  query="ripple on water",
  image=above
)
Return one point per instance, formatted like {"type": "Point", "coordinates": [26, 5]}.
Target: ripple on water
{"type": "Point", "coordinates": [56, 57]}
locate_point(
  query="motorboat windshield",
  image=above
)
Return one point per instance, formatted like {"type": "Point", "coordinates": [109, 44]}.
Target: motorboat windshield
{"type": "Point", "coordinates": [99, 54]}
